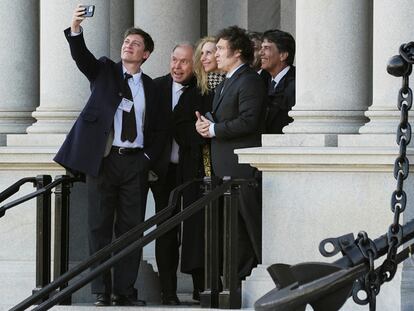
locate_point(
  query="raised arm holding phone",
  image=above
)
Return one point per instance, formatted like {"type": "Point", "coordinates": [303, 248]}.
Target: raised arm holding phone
{"type": "Point", "coordinates": [114, 143]}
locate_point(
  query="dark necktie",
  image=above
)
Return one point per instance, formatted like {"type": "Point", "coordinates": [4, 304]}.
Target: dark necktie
{"type": "Point", "coordinates": [272, 87]}
{"type": "Point", "coordinates": [225, 81]}
{"type": "Point", "coordinates": [129, 123]}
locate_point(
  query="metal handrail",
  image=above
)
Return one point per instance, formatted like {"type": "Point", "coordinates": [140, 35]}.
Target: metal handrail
{"type": "Point", "coordinates": [34, 194]}
{"type": "Point", "coordinates": [117, 244]}
{"type": "Point", "coordinates": [166, 226]}
{"type": "Point", "coordinates": [4, 195]}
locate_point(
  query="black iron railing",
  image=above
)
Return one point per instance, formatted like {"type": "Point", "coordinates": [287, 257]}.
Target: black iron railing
{"type": "Point", "coordinates": [229, 297]}
{"type": "Point", "coordinates": [44, 187]}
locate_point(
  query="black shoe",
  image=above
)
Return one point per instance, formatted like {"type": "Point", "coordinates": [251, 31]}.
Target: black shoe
{"type": "Point", "coordinates": [170, 300]}
{"type": "Point", "coordinates": [122, 300]}
{"type": "Point", "coordinates": [102, 300]}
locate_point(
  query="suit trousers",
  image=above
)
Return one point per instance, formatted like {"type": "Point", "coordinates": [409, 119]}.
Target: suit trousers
{"type": "Point", "coordinates": [166, 246]}
{"type": "Point", "coordinates": [116, 205]}
{"type": "Point", "coordinates": [249, 230]}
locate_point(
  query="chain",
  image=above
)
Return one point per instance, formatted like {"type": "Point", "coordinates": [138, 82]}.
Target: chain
{"type": "Point", "coordinates": [400, 66]}
{"type": "Point", "coordinates": [371, 282]}
{"type": "Point", "coordinates": [401, 170]}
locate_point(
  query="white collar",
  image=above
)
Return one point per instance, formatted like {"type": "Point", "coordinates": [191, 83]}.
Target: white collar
{"type": "Point", "coordinates": [230, 73]}
{"type": "Point", "coordinates": [177, 87]}
{"type": "Point", "coordinates": [281, 74]}
{"type": "Point", "coordinates": [136, 78]}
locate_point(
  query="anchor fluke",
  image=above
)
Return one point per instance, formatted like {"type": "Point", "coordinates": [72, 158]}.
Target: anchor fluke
{"type": "Point", "coordinates": [324, 286]}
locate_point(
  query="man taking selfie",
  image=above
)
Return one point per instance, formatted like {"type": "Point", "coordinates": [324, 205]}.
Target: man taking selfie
{"type": "Point", "coordinates": [114, 142]}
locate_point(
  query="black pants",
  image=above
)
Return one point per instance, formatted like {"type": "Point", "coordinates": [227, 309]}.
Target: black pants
{"type": "Point", "coordinates": [249, 233]}
{"type": "Point", "coordinates": [116, 205]}
{"type": "Point", "coordinates": [166, 246]}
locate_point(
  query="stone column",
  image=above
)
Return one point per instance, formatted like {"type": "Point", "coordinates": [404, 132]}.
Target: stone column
{"type": "Point", "coordinates": [63, 89]}
{"type": "Point", "coordinates": [254, 15]}
{"type": "Point", "coordinates": [383, 113]}
{"type": "Point", "coordinates": [168, 22]}
{"type": "Point", "coordinates": [121, 17]}
{"type": "Point", "coordinates": [263, 14]}
{"type": "Point", "coordinates": [333, 44]}
{"type": "Point", "coordinates": [226, 13]}
{"type": "Point", "coordinates": [19, 76]}
{"type": "Point", "coordinates": [287, 16]}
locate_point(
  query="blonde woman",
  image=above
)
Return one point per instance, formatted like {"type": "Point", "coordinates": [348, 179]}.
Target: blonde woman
{"type": "Point", "coordinates": [208, 77]}
{"type": "Point", "coordinates": [195, 154]}
{"type": "Point", "coordinates": [205, 65]}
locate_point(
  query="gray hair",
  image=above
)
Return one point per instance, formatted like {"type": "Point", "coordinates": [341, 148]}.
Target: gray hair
{"type": "Point", "coordinates": [183, 44]}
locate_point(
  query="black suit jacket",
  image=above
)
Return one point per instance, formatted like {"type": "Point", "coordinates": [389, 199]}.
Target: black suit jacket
{"type": "Point", "coordinates": [280, 102]}
{"type": "Point", "coordinates": [239, 114]}
{"type": "Point", "coordinates": [239, 119]}
{"type": "Point", "coordinates": [265, 76]}
{"type": "Point", "coordinates": [84, 147]}
{"type": "Point", "coordinates": [182, 121]}
{"type": "Point", "coordinates": [163, 85]}
{"type": "Point", "coordinates": [181, 125]}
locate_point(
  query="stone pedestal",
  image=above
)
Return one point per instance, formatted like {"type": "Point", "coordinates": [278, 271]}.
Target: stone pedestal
{"type": "Point", "coordinates": [18, 225]}
{"type": "Point", "coordinates": [313, 193]}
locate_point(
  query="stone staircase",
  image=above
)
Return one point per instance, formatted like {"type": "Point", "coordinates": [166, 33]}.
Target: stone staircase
{"type": "Point", "coordinates": [187, 304]}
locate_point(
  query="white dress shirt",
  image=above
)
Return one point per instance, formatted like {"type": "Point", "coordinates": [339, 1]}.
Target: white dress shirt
{"type": "Point", "coordinates": [137, 90]}
{"type": "Point", "coordinates": [280, 75]}
{"type": "Point", "coordinates": [177, 89]}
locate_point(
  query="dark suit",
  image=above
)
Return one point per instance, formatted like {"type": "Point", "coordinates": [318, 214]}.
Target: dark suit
{"type": "Point", "coordinates": [191, 166]}
{"type": "Point", "coordinates": [116, 183]}
{"type": "Point", "coordinates": [239, 114]}
{"type": "Point", "coordinates": [265, 76]}
{"type": "Point", "coordinates": [280, 102]}
{"type": "Point", "coordinates": [167, 246]}
{"type": "Point", "coordinates": [181, 122]}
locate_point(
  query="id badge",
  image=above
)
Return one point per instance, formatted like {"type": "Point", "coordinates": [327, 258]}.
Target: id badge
{"type": "Point", "coordinates": [126, 105]}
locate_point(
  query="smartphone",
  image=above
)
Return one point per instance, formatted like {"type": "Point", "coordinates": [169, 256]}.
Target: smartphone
{"type": "Point", "coordinates": [89, 10]}
{"type": "Point", "coordinates": [209, 116]}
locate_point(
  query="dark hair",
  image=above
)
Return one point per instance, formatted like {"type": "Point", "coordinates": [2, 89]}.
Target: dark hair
{"type": "Point", "coordinates": [238, 40]}
{"type": "Point", "coordinates": [284, 42]}
{"type": "Point", "coordinates": [255, 35]}
{"type": "Point", "coordinates": [148, 42]}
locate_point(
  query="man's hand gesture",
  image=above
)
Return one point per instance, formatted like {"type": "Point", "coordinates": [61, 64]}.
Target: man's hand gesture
{"type": "Point", "coordinates": [202, 125]}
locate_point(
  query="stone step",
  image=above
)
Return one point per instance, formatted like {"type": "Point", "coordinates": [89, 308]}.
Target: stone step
{"type": "Point", "coordinates": [187, 303]}
{"type": "Point", "coordinates": [150, 307]}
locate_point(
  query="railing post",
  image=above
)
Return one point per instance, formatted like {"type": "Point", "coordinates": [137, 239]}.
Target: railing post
{"type": "Point", "coordinates": [61, 243]}
{"type": "Point", "coordinates": [230, 297]}
{"type": "Point", "coordinates": [43, 229]}
{"type": "Point", "coordinates": [209, 297]}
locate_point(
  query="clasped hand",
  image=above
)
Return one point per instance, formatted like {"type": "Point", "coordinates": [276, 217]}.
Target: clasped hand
{"type": "Point", "coordinates": [202, 125]}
